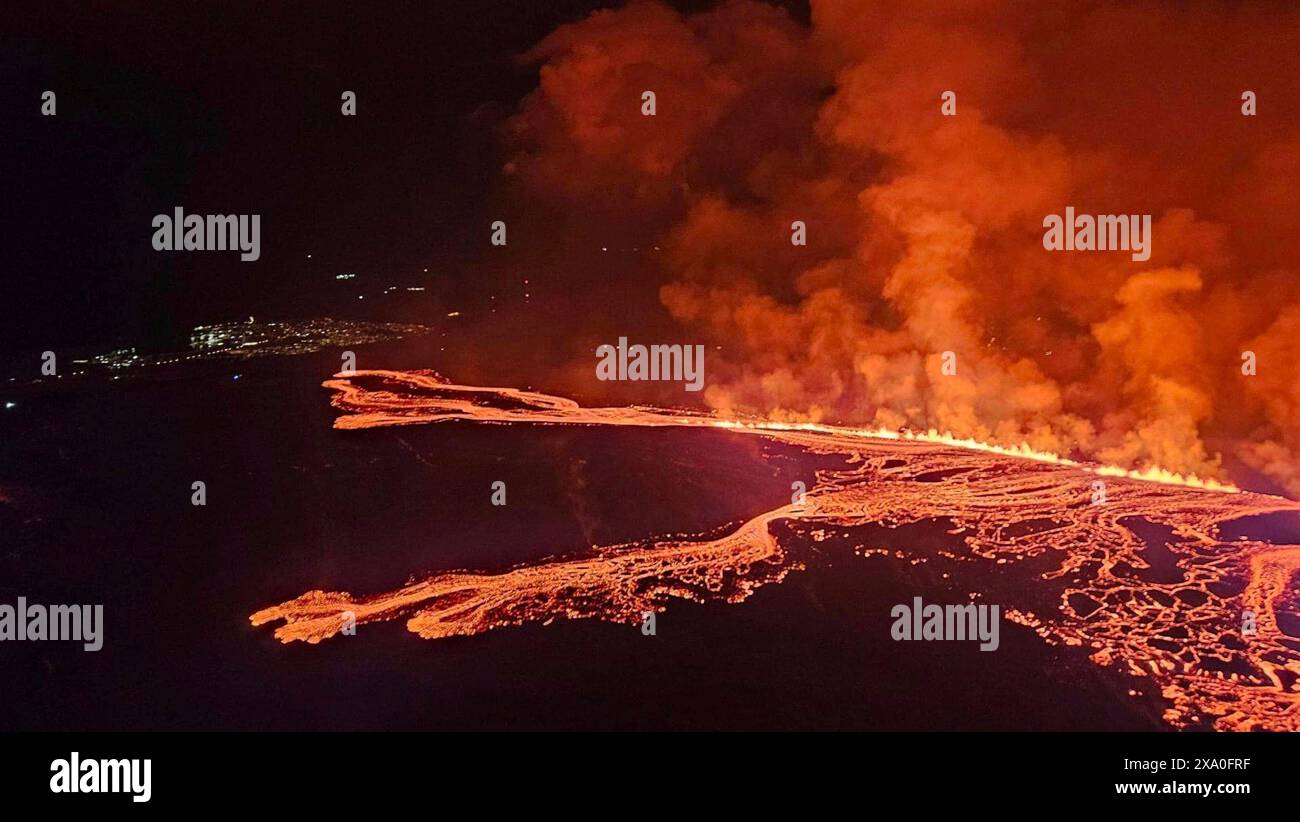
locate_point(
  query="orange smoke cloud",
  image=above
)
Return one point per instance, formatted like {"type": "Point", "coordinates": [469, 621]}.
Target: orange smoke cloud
{"type": "Point", "coordinates": [924, 231]}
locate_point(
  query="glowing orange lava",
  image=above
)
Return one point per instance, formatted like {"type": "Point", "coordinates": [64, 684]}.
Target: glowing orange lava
{"type": "Point", "coordinates": [1185, 635]}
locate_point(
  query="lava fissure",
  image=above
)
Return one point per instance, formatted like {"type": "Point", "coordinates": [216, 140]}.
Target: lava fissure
{"type": "Point", "coordinates": [1182, 631]}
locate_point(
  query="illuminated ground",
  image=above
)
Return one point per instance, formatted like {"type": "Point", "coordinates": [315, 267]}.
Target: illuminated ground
{"type": "Point", "coordinates": [1144, 582]}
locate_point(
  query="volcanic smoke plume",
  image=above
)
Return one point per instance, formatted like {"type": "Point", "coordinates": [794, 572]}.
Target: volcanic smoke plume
{"type": "Point", "coordinates": [924, 231]}
{"type": "Point", "coordinates": [1075, 572]}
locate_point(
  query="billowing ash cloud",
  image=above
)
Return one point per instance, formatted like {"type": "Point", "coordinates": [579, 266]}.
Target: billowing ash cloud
{"type": "Point", "coordinates": [925, 231]}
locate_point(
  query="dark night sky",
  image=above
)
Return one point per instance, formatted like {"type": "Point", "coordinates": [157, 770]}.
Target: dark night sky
{"type": "Point", "coordinates": [237, 111]}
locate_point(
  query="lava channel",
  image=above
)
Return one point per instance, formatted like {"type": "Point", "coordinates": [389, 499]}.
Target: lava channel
{"type": "Point", "coordinates": [1182, 632]}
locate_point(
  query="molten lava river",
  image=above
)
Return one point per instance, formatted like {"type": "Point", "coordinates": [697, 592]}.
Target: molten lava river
{"type": "Point", "coordinates": [1089, 582]}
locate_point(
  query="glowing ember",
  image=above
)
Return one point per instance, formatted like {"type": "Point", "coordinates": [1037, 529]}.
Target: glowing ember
{"type": "Point", "coordinates": [1185, 634]}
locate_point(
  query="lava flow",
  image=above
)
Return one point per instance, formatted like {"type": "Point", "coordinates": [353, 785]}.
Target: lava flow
{"type": "Point", "coordinates": [1181, 630]}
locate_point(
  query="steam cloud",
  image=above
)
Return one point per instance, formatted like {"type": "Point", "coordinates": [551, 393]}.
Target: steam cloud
{"type": "Point", "coordinates": [925, 231]}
